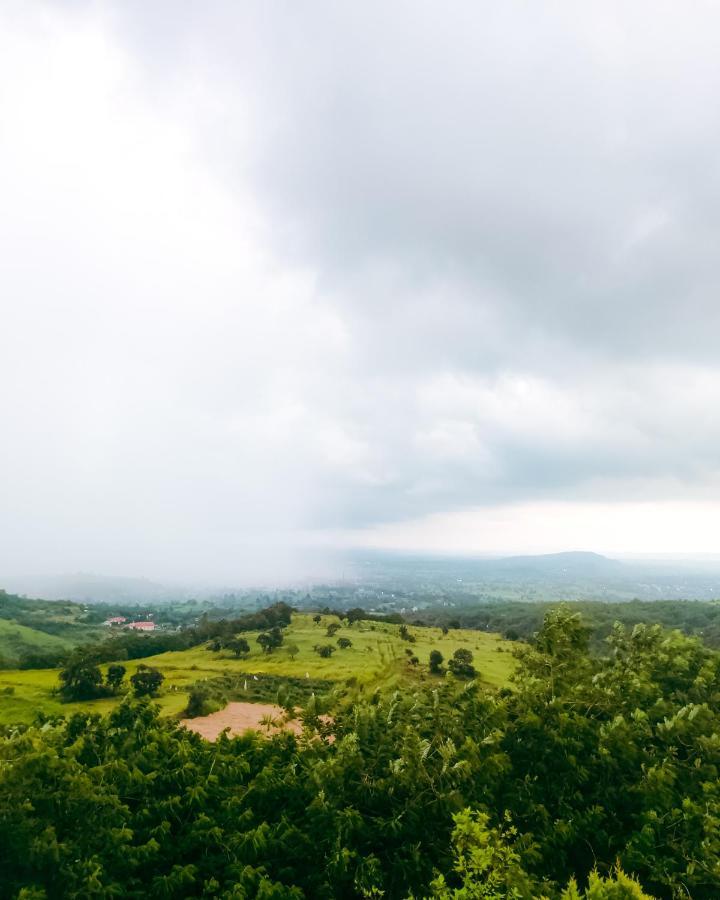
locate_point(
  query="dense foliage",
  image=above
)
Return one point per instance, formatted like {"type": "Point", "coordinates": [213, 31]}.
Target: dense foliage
{"type": "Point", "coordinates": [448, 791]}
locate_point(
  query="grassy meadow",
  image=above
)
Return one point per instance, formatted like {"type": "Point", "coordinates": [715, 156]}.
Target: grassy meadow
{"type": "Point", "coordinates": [377, 658]}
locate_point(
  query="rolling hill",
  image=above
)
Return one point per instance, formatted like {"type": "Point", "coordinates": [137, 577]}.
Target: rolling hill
{"type": "Point", "coordinates": [17, 641]}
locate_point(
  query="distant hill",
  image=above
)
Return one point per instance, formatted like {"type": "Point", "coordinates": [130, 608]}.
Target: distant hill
{"type": "Point", "coordinates": [574, 575]}
{"type": "Point", "coordinates": [576, 562]}
{"type": "Point", "coordinates": [88, 588]}
{"type": "Point", "coordinates": [555, 566]}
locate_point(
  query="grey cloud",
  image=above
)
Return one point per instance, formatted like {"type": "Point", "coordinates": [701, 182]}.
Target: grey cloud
{"type": "Point", "coordinates": [555, 166]}
{"type": "Point", "coordinates": [428, 257]}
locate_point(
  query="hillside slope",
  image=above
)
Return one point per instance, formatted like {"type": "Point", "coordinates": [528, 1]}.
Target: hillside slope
{"type": "Point", "coordinates": [16, 641]}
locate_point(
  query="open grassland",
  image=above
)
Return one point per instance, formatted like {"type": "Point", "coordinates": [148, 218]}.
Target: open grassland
{"type": "Point", "coordinates": [377, 658]}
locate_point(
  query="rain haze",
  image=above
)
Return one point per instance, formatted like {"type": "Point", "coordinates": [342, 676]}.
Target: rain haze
{"type": "Point", "coordinates": [282, 279]}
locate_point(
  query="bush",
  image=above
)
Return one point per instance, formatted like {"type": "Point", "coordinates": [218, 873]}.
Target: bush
{"type": "Point", "coordinates": [436, 661]}
{"type": "Point", "coordinates": [198, 703]}
{"type": "Point", "coordinates": [461, 664]}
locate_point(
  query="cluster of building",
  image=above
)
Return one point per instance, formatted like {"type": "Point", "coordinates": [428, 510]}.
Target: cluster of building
{"type": "Point", "coordinates": [122, 622]}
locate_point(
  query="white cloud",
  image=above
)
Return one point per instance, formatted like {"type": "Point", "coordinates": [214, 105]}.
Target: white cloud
{"type": "Point", "coordinates": [617, 529]}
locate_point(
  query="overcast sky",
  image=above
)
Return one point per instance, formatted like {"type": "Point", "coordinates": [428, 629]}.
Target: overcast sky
{"type": "Point", "coordinates": [430, 276]}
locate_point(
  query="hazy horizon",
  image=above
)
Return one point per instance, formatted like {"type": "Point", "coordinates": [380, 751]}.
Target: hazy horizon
{"type": "Point", "coordinates": [278, 282]}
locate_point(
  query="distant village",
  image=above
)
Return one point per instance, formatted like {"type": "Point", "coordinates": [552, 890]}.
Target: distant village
{"type": "Point", "coordinates": [122, 622]}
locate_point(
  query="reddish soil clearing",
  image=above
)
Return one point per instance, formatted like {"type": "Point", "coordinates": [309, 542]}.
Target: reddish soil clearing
{"type": "Point", "coordinates": [238, 717]}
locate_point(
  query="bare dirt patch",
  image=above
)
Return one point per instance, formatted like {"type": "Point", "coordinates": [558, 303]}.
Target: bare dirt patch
{"type": "Point", "coordinates": [239, 717]}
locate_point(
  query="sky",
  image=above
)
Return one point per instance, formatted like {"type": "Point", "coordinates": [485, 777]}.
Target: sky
{"type": "Point", "coordinates": [278, 279]}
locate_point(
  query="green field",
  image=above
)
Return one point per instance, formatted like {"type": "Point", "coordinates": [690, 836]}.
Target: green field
{"type": "Point", "coordinates": [376, 658]}
{"type": "Point", "coordinates": [17, 640]}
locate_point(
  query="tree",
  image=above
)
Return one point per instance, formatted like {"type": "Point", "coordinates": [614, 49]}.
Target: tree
{"type": "Point", "coordinates": [270, 640]}
{"type": "Point", "coordinates": [197, 702]}
{"type": "Point", "coordinates": [146, 681]}
{"type": "Point", "coordinates": [238, 646]}
{"type": "Point", "coordinates": [115, 675]}
{"type": "Point", "coordinates": [445, 630]}
{"type": "Point", "coordinates": [81, 679]}
{"type": "Point", "coordinates": [331, 629]}
{"type": "Point", "coordinates": [292, 650]}
{"type": "Point", "coordinates": [324, 650]}
{"type": "Point", "coordinates": [355, 614]}
{"type": "Point", "coordinates": [559, 655]}
{"type": "Point", "coordinates": [436, 661]}
{"type": "Point", "coordinates": [487, 863]}
{"type": "Point", "coordinates": [343, 643]}
{"type": "Point", "coordinates": [461, 664]}
{"type": "Point", "coordinates": [317, 618]}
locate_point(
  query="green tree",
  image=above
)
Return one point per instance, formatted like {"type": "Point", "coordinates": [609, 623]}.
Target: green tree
{"type": "Point", "coordinates": [114, 676]}
{"type": "Point", "coordinates": [81, 679]}
{"type": "Point", "coordinates": [343, 643]}
{"type": "Point", "coordinates": [238, 646]}
{"type": "Point", "coordinates": [324, 650]}
{"type": "Point", "coordinates": [461, 664]}
{"type": "Point", "coordinates": [270, 640]}
{"type": "Point", "coordinates": [146, 681]}
{"type": "Point", "coordinates": [356, 614]}
{"type": "Point", "coordinates": [485, 862]}
{"type": "Point", "coordinates": [436, 661]}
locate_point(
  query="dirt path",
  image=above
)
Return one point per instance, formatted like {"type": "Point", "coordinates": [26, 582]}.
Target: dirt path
{"type": "Point", "coordinates": [238, 717]}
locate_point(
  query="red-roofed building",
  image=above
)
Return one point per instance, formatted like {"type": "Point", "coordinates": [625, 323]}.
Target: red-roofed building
{"type": "Point", "coordinates": [141, 626]}
{"type": "Point", "coordinates": [115, 620]}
